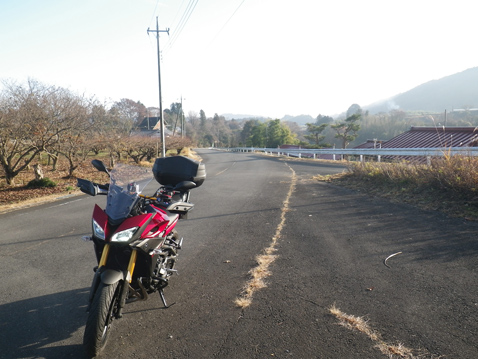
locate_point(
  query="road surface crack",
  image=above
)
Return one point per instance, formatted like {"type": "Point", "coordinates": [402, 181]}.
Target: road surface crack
{"type": "Point", "coordinates": [264, 260]}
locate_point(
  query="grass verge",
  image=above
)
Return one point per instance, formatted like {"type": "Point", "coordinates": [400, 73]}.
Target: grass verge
{"type": "Point", "coordinates": [449, 184]}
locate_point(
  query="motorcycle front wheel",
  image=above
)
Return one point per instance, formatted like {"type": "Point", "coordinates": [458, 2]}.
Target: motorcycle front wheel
{"type": "Point", "coordinates": [100, 318]}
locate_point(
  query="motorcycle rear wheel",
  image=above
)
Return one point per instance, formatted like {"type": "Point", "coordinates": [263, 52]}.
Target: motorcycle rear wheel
{"type": "Point", "coordinates": [100, 317]}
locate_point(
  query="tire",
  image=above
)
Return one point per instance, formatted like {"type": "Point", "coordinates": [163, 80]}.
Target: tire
{"type": "Point", "coordinates": [100, 318]}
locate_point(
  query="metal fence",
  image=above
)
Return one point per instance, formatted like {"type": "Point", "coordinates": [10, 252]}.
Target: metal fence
{"type": "Point", "coordinates": [361, 153]}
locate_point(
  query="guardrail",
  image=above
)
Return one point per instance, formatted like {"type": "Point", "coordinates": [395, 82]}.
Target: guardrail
{"type": "Point", "coordinates": [337, 154]}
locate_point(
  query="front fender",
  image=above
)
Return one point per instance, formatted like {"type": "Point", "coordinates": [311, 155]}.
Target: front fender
{"type": "Point", "coordinates": [94, 286]}
{"type": "Point", "coordinates": [110, 276]}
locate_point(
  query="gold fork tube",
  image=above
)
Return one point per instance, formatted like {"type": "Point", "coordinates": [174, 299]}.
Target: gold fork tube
{"type": "Point", "coordinates": [104, 255]}
{"type": "Point", "coordinates": [132, 263]}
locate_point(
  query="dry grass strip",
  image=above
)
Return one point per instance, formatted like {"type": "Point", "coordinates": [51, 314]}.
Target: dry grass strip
{"type": "Point", "coordinates": [391, 350]}
{"type": "Point", "coordinates": [261, 271]}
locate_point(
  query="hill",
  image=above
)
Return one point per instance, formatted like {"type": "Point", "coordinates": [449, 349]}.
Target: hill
{"type": "Point", "coordinates": [232, 116]}
{"type": "Point", "coordinates": [301, 119]}
{"type": "Point", "coordinates": [451, 92]}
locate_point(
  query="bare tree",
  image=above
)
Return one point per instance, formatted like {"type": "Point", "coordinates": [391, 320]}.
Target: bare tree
{"type": "Point", "coordinates": [33, 117]}
{"type": "Point", "coordinates": [128, 113]}
{"type": "Point", "coordinates": [108, 132]}
{"type": "Point", "coordinates": [177, 143]}
{"type": "Point", "coordinates": [73, 142]}
{"type": "Point", "coordinates": [140, 148]}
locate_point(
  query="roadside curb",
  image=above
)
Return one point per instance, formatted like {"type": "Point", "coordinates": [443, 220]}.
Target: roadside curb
{"type": "Point", "coordinates": [36, 202]}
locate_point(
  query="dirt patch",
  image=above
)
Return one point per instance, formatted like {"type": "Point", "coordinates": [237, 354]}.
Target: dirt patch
{"type": "Point", "coordinates": [19, 195]}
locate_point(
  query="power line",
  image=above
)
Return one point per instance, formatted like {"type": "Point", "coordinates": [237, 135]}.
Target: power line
{"type": "Point", "coordinates": [227, 22]}
{"type": "Point", "coordinates": [185, 18]}
{"type": "Point", "coordinates": [154, 12]}
{"type": "Point", "coordinates": [183, 21]}
{"type": "Point", "coordinates": [177, 13]}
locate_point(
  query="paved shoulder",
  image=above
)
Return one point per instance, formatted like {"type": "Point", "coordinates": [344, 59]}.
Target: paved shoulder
{"type": "Point", "coordinates": [332, 252]}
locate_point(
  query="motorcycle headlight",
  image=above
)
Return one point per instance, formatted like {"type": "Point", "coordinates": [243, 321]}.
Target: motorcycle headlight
{"type": "Point", "coordinates": [98, 231]}
{"type": "Point", "coordinates": [124, 236]}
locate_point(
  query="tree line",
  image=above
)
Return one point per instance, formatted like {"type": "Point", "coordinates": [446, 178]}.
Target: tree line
{"type": "Point", "coordinates": [354, 127]}
{"type": "Point", "coordinates": [38, 119]}
{"type": "Point", "coordinates": [271, 133]}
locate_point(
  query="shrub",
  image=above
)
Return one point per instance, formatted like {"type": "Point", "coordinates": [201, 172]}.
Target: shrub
{"type": "Point", "coordinates": [448, 183]}
{"type": "Point", "coordinates": [455, 173]}
{"type": "Point", "coordinates": [41, 183]}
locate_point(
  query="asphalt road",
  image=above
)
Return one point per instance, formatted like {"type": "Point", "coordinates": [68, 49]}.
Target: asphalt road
{"type": "Point", "coordinates": [331, 250]}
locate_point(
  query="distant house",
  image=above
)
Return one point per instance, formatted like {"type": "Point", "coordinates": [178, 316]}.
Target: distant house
{"type": "Point", "coordinates": [150, 127]}
{"type": "Point", "coordinates": [428, 137]}
{"type": "Point", "coordinates": [148, 124]}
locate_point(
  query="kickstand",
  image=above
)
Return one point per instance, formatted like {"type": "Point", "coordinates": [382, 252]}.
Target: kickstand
{"type": "Point", "coordinates": [163, 299]}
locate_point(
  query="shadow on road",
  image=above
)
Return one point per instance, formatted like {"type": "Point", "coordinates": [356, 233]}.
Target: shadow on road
{"type": "Point", "coordinates": [421, 234]}
{"type": "Point", "coordinates": [41, 327]}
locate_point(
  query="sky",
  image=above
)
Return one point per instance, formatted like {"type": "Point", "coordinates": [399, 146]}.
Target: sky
{"type": "Point", "coordinates": [266, 58]}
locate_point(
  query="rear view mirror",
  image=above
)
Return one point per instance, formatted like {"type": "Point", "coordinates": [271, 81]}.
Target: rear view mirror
{"type": "Point", "coordinates": [100, 166]}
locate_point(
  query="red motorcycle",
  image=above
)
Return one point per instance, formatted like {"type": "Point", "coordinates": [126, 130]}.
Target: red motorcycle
{"type": "Point", "coordinates": [134, 237]}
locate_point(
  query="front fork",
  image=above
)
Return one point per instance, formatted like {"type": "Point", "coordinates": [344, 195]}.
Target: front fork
{"type": "Point", "coordinates": [109, 276]}
{"type": "Point", "coordinates": [131, 264]}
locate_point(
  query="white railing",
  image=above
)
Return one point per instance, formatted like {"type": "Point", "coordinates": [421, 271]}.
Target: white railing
{"type": "Point", "coordinates": [337, 154]}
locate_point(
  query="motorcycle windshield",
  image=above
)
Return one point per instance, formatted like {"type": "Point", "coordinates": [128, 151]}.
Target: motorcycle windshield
{"type": "Point", "coordinates": [127, 182]}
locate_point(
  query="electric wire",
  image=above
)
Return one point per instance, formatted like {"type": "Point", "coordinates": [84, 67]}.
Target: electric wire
{"type": "Point", "coordinates": [227, 22]}
{"type": "Point", "coordinates": [151, 22]}
{"type": "Point", "coordinates": [177, 12]}
{"type": "Point", "coordinates": [154, 12]}
{"type": "Point", "coordinates": [182, 22]}
{"type": "Point", "coordinates": [185, 19]}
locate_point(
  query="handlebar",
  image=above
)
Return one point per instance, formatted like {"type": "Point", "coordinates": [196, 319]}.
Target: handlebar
{"type": "Point", "coordinates": [102, 188]}
{"type": "Point", "coordinates": [92, 188]}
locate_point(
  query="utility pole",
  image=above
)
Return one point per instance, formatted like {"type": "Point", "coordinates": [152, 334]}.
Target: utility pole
{"type": "Point", "coordinates": [182, 118]}
{"type": "Point", "coordinates": [157, 31]}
